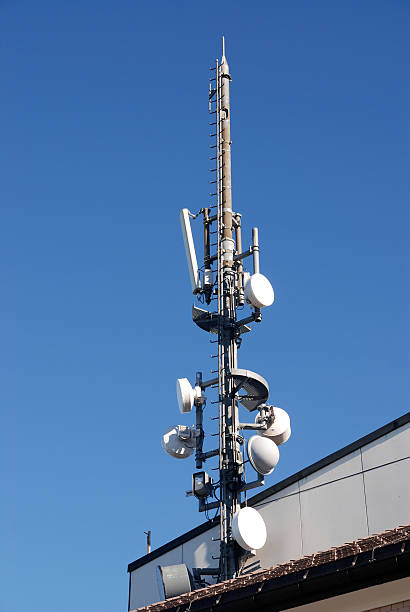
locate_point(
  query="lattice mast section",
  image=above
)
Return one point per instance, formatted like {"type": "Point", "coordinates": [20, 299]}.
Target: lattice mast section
{"type": "Point", "coordinates": [230, 456]}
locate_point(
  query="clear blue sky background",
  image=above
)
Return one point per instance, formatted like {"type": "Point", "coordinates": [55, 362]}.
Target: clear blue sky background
{"type": "Point", "coordinates": [105, 138]}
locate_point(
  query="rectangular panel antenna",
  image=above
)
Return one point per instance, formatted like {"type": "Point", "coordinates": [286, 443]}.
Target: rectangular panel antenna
{"type": "Point", "coordinates": [190, 249]}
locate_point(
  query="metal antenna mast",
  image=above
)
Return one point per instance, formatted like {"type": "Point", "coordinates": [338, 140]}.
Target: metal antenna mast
{"type": "Point", "coordinates": [242, 529]}
{"type": "Point", "coordinates": [230, 456]}
{"type": "Point", "coordinates": [230, 296]}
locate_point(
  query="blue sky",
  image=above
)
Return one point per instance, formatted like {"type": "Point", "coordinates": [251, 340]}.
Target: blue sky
{"type": "Point", "coordinates": [105, 137]}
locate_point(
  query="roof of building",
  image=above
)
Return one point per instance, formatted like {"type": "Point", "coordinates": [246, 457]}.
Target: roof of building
{"type": "Point", "coordinates": [372, 560]}
{"type": "Point", "coordinates": [346, 450]}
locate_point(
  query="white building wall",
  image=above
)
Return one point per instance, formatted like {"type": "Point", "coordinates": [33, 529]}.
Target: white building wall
{"type": "Point", "coordinates": [281, 513]}
{"type": "Point", "coordinates": [199, 551]}
{"type": "Point", "coordinates": [363, 493]}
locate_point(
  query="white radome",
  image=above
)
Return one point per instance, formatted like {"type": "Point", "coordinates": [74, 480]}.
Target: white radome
{"type": "Point", "coordinates": [280, 429]}
{"type": "Point", "coordinates": [174, 446]}
{"type": "Point", "coordinates": [185, 395]}
{"type": "Point", "coordinates": [263, 454]}
{"type": "Point", "coordinates": [259, 292]}
{"type": "Point", "coordinates": [249, 529]}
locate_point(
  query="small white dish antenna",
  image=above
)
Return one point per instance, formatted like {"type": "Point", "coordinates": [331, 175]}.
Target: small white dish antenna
{"type": "Point", "coordinates": [187, 395]}
{"type": "Point", "coordinates": [249, 529]}
{"type": "Point", "coordinates": [279, 431]}
{"type": "Point", "coordinates": [179, 441]}
{"type": "Point", "coordinates": [263, 454]}
{"type": "Point", "coordinates": [259, 291]}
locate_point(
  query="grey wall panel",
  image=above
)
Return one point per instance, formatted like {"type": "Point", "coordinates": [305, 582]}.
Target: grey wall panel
{"type": "Point", "coordinates": [346, 466]}
{"type": "Point", "coordinates": [291, 490]}
{"type": "Point", "coordinates": [282, 518]}
{"type": "Point", "coordinates": [144, 588]}
{"type": "Point", "coordinates": [388, 496]}
{"type": "Point", "coordinates": [393, 446]}
{"type": "Point", "coordinates": [333, 514]}
{"type": "Point", "coordinates": [198, 552]}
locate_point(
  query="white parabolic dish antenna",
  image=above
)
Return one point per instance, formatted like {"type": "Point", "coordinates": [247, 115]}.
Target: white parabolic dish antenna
{"type": "Point", "coordinates": [259, 291]}
{"type": "Point", "coordinates": [185, 395]}
{"type": "Point", "coordinates": [263, 454]}
{"type": "Point", "coordinates": [279, 431]}
{"type": "Point", "coordinates": [249, 529]}
{"type": "Point", "coordinates": [179, 441]}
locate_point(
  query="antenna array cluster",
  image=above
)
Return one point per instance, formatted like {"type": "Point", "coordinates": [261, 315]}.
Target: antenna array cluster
{"type": "Point", "coordinates": [225, 286]}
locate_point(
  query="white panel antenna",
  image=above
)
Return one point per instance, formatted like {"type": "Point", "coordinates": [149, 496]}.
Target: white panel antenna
{"type": "Point", "coordinates": [190, 250]}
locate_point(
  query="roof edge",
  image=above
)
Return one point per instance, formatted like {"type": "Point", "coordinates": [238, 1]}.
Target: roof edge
{"type": "Point", "coordinates": [344, 560]}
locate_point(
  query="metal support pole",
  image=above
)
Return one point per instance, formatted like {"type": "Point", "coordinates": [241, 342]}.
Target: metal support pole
{"type": "Point", "coordinates": [207, 280]}
{"type": "Point", "coordinates": [207, 248]}
{"type": "Point", "coordinates": [239, 267]}
{"type": "Point", "coordinates": [198, 425]}
{"type": "Point", "coordinates": [225, 128]}
{"type": "Point", "coordinates": [255, 250]}
{"type": "Point", "coordinates": [148, 534]}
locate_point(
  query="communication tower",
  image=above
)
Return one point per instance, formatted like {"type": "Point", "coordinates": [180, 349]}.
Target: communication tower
{"type": "Point", "coordinates": [227, 288]}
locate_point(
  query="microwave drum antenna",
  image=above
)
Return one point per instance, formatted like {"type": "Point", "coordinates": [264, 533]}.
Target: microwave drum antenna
{"type": "Point", "coordinates": [279, 431]}
{"type": "Point", "coordinates": [173, 580]}
{"type": "Point", "coordinates": [185, 395]}
{"type": "Point", "coordinates": [179, 441]}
